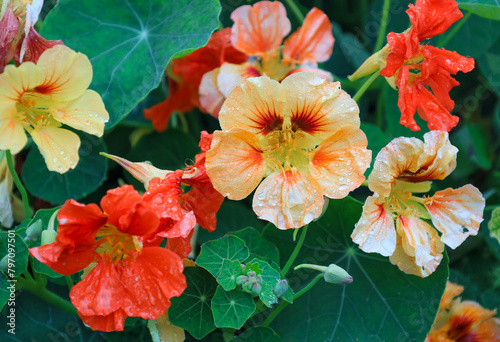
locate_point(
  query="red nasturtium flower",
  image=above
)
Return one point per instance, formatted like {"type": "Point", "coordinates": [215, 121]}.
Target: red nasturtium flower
{"type": "Point", "coordinates": [302, 135]}
{"type": "Point", "coordinates": [392, 223]}
{"type": "Point", "coordinates": [18, 38]}
{"type": "Point", "coordinates": [416, 68]}
{"type": "Point", "coordinates": [125, 275]}
{"type": "Point", "coordinates": [463, 321]}
{"type": "Point", "coordinates": [179, 209]}
{"type": "Point", "coordinates": [185, 73]}
{"type": "Point", "coordinates": [258, 31]}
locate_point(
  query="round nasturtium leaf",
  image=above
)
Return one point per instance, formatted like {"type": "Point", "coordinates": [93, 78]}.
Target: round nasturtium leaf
{"type": "Point", "coordinates": [130, 43]}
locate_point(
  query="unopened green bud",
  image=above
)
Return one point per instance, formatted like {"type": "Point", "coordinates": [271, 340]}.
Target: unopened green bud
{"type": "Point", "coordinates": [48, 236]}
{"type": "Point", "coordinates": [34, 231]}
{"type": "Point", "coordinates": [241, 279]}
{"type": "Point", "coordinates": [337, 275]}
{"type": "Point", "coordinates": [255, 289]}
{"type": "Point", "coordinates": [281, 288]}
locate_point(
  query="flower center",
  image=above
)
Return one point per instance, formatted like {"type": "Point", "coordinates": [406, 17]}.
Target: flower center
{"type": "Point", "coordinates": [117, 245]}
{"type": "Point", "coordinates": [33, 112]}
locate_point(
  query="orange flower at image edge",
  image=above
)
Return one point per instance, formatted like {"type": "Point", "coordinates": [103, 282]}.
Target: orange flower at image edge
{"type": "Point", "coordinates": [393, 220]}
{"type": "Point", "coordinates": [463, 321]}
{"type": "Point", "coordinates": [125, 275]}
{"type": "Point", "coordinates": [301, 136]}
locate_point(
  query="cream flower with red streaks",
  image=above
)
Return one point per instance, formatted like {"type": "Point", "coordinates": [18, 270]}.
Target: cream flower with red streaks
{"type": "Point", "coordinates": [302, 136]}
{"type": "Point", "coordinates": [393, 220]}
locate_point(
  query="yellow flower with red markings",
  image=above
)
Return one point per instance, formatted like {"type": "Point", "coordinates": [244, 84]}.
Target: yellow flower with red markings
{"type": "Point", "coordinates": [460, 321]}
{"type": "Point", "coordinates": [40, 98]}
{"type": "Point", "coordinates": [302, 136]}
{"type": "Point", "coordinates": [392, 223]}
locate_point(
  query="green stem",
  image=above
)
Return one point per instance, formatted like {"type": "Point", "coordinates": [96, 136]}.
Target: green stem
{"type": "Point", "coordinates": [19, 185]}
{"type": "Point", "coordinates": [295, 9]}
{"type": "Point", "coordinates": [295, 251]}
{"type": "Point", "coordinates": [46, 295]}
{"type": "Point", "coordinates": [284, 304]}
{"type": "Point", "coordinates": [69, 281]}
{"type": "Point", "coordinates": [365, 86]}
{"type": "Point", "coordinates": [381, 106]}
{"type": "Point", "coordinates": [184, 123]}
{"type": "Point", "coordinates": [383, 26]}
{"type": "Point", "coordinates": [454, 30]}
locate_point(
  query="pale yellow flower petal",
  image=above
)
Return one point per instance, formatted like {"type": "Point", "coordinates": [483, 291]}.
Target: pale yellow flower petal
{"type": "Point", "coordinates": [15, 81]}
{"type": "Point", "coordinates": [456, 213]}
{"type": "Point", "coordinates": [319, 107]}
{"type": "Point", "coordinates": [288, 199]}
{"type": "Point", "coordinates": [232, 75]}
{"type": "Point", "coordinates": [86, 113]}
{"type": "Point", "coordinates": [340, 161]}
{"type": "Point", "coordinates": [211, 99]}
{"type": "Point", "coordinates": [66, 74]}
{"type": "Point", "coordinates": [438, 160]}
{"type": "Point", "coordinates": [12, 135]}
{"type": "Point", "coordinates": [58, 146]}
{"type": "Point", "coordinates": [258, 105]}
{"type": "Point", "coordinates": [399, 156]}
{"type": "Point", "coordinates": [234, 163]}
{"type": "Point", "coordinates": [375, 231]}
{"type": "Point", "coordinates": [419, 249]}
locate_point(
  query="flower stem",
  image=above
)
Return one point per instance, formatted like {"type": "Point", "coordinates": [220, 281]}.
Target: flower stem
{"type": "Point", "coordinates": [383, 26]}
{"type": "Point", "coordinates": [456, 28]}
{"type": "Point", "coordinates": [295, 9]}
{"type": "Point", "coordinates": [284, 304]}
{"type": "Point", "coordinates": [365, 86]}
{"type": "Point", "coordinates": [46, 295]}
{"type": "Point", "coordinates": [69, 281]}
{"type": "Point", "coordinates": [295, 252]}
{"type": "Point", "coordinates": [19, 185]}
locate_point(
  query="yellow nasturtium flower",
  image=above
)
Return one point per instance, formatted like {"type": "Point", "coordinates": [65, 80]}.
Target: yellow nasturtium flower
{"type": "Point", "coordinates": [39, 98]}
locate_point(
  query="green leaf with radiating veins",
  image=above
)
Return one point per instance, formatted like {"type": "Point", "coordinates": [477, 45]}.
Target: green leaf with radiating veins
{"type": "Point", "coordinates": [257, 245]}
{"type": "Point", "coordinates": [130, 43]}
{"type": "Point", "coordinates": [192, 311]}
{"type": "Point", "coordinates": [213, 253]}
{"type": "Point", "coordinates": [231, 309]}
{"type": "Point", "coordinates": [230, 271]}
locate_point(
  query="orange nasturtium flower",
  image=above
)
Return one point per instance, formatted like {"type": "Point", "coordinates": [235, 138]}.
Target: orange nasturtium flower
{"type": "Point", "coordinates": [463, 321]}
{"type": "Point", "coordinates": [416, 69]}
{"type": "Point", "coordinates": [258, 31]}
{"type": "Point", "coordinates": [302, 136]}
{"type": "Point", "coordinates": [39, 98]}
{"type": "Point", "coordinates": [392, 223]}
{"type": "Point", "coordinates": [124, 274]}
{"type": "Point", "coordinates": [179, 209]}
{"type": "Point", "coordinates": [185, 74]}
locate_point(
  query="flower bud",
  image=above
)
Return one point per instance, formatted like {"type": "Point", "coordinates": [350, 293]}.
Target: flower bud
{"type": "Point", "coordinates": [34, 231]}
{"type": "Point", "coordinates": [240, 280]}
{"type": "Point", "coordinates": [48, 236]}
{"type": "Point", "coordinates": [337, 275]}
{"type": "Point", "coordinates": [281, 288]}
{"type": "Point", "coordinates": [255, 289]}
